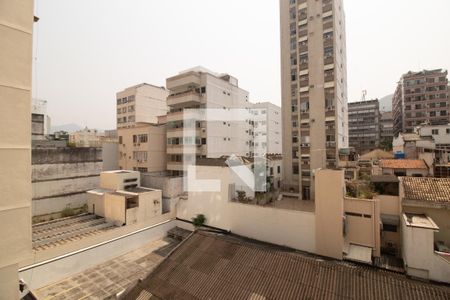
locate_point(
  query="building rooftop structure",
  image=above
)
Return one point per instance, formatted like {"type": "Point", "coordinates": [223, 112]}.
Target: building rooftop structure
{"type": "Point", "coordinates": [420, 220]}
{"type": "Point", "coordinates": [214, 266]}
{"type": "Point", "coordinates": [65, 230]}
{"type": "Point", "coordinates": [376, 154]}
{"type": "Point", "coordinates": [403, 164]}
{"type": "Point", "coordinates": [426, 189]}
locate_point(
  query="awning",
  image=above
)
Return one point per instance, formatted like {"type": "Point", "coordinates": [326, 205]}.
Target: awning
{"type": "Point", "coordinates": [390, 219]}
{"type": "Point", "coordinates": [360, 254]}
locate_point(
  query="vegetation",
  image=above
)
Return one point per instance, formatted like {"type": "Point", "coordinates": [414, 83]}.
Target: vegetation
{"type": "Point", "coordinates": [67, 212]}
{"type": "Point", "coordinates": [241, 196]}
{"type": "Point", "coordinates": [361, 189]}
{"type": "Point", "coordinates": [199, 220]}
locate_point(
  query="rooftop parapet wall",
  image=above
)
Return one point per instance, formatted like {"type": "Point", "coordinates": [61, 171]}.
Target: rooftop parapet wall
{"type": "Point", "coordinates": [65, 155]}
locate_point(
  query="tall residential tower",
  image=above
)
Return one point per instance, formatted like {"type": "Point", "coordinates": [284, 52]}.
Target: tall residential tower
{"type": "Point", "coordinates": [314, 89]}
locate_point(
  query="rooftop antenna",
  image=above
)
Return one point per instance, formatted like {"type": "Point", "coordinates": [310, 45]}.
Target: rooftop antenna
{"type": "Point", "coordinates": [364, 94]}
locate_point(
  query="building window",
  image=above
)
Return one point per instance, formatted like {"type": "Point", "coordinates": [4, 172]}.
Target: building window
{"type": "Point", "coordinates": [295, 169]}
{"type": "Point", "coordinates": [143, 138]}
{"type": "Point", "coordinates": [389, 228]}
{"type": "Point", "coordinates": [131, 108]}
{"type": "Point", "coordinates": [120, 139]}
{"type": "Point", "coordinates": [131, 98]}
{"type": "Point", "coordinates": [447, 130]}
{"type": "Point", "coordinates": [279, 169]}
{"type": "Point", "coordinates": [435, 131]}
{"type": "Point", "coordinates": [124, 110]}
{"type": "Point", "coordinates": [140, 156]}
{"type": "Point", "coordinates": [119, 101]}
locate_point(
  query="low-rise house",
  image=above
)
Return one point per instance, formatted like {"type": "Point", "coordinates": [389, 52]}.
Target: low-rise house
{"type": "Point", "coordinates": [426, 227]}
{"type": "Point", "coordinates": [121, 200]}
{"type": "Point", "coordinates": [404, 167]}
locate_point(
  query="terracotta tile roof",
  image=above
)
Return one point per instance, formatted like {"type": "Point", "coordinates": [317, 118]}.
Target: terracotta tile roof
{"type": "Point", "coordinates": [428, 189]}
{"type": "Point", "coordinates": [403, 164]}
{"type": "Point", "coordinates": [208, 266]}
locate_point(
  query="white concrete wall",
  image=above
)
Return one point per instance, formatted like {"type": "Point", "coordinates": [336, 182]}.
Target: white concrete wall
{"type": "Point", "coordinates": [58, 171]}
{"type": "Point", "coordinates": [294, 229]}
{"type": "Point", "coordinates": [290, 228]}
{"type": "Point", "coordinates": [57, 204]}
{"type": "Point", "coordinates": [419, 257]}
{"type": "Point", "coordinates": [46, 189]}
{"type": "Point", "coordinates": [110, 155]}
{"type": "Point", "coordinates": [170, 186]}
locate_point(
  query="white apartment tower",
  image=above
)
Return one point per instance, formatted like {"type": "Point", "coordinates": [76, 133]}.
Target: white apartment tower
{"type": "Point", "coordinates": [267, 129]}
{"type": "Point", "coordinates": [142, 103]}
{"type": "Point", "coordinates": [314, 89]}
{"type": "Point", "coordinates": [199, 88]}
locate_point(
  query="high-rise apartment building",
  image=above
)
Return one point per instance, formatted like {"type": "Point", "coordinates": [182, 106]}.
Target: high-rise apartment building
{"type": "Point", "coordinates": [16, 36]}
{"type": "Point", "coordinates": [142, 103]}
{"type": "Point", "coordinates": [314, 89]}
{"type": "Point", "coordinates": [267, 129]}
{"type": "Point", "coordinates": [199, 88]}
{"type": "Point", "coordinates": [364, 125]}
{"type": "Point", "coordinates": [386, 128]}
{"type": "Point", "coordinates": [421, 98]}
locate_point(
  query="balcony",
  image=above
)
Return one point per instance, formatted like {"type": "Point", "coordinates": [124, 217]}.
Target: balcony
{"type": "Point", "coordinates": [328, 25]}
{"type": "Point", "coordinates": [328, 60]}
{"type": "Point", "coordinates": [327, 8]}
{"type": "Point", "coordinates": [187, 98]}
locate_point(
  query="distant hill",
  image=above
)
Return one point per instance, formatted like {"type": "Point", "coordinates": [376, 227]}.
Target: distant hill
{"type": "Point", "coordinates": [386, 103]}
{"type": "Point", "coordinates": [66, 127]}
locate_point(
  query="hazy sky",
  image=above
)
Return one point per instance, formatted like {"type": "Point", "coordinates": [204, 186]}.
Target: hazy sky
{"type": "Point", "coordinates": [86, 51]}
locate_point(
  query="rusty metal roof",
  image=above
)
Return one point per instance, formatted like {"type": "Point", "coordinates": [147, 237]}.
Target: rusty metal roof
{"type": "Point", "coordinates": [212, 266]}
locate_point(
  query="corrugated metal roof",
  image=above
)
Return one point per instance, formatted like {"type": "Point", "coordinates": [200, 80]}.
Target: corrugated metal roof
{"type": "Point", "coordinates": [210, 266]}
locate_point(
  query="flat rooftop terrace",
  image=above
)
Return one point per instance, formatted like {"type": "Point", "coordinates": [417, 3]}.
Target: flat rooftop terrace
{"type": "Point", "coordinates": [107, 279]}
{"type": "Point", "coordinates": [65, 230]}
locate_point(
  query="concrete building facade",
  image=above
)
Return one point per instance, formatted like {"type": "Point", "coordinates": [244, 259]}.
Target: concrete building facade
{"type": "Point", "coordinates": [86, 138]}
{"type": "Point", "coordinates": [121, 200]}
{"type": "Point", "coordinates": [40, 121]}
{"type": "Point", "coordinates": [267, 129]}
{"type": "Point", "coordinates": [364, 125]}
{"type": "Point", "coordinates": [199, 88]}
{"type": "Point", "coordinates": [386, 127]}
{"type": "Point", "coordinates": [143, 148]}
{"type": "Point", "coordinates": [314, 89]}
{"type": "Point", "coordinates": [16, 36]}
{"type": "Point", "coordinates": [421, 98]}
{"type": "Point", "coordinates": [142, 103]}
{"type": "Point", "coordinates": [60, 178]}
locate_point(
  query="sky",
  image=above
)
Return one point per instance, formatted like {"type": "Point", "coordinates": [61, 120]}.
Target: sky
{"type": "Point", "coordinates": [85, 51]}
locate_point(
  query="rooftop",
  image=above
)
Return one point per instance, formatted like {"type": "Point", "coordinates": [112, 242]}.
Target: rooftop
{"type": "Point", "coordinates": [420, 221]}
{"type": "Point", "coordinates": [403, 164]}
{"type": "Point", "coordinates": [434, 190]}
{"type": "Point", "coordinates": [111, 277]}
{"type": "Point", "coordinates": [377, 154]}
{"type": "Point", "coordinates": [224, 161]}
{"type": "Point", "coordinates": [410, 137]}
{"type": "Point", "coordinates": [214, 266]}
{"type": "Point", "coordinates": [62, 231]}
